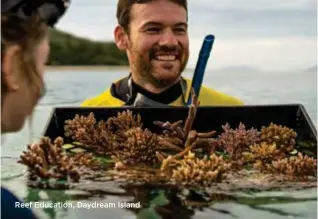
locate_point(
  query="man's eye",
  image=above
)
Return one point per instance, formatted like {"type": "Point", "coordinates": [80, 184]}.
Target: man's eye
{"type": "Point", "coordinates": [153, 30]}
{"type": "Point", "coordinates": [180, 30]}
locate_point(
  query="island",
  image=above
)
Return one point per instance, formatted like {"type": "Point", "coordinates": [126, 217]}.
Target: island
{"type": "Point", "coordinates": [70, 50]}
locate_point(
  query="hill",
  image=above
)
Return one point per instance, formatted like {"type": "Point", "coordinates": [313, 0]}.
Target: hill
{"type": "Point", "coordinates": [67, 49]}
{"type": "Point", "coordinates": [312, 69]}
{"type": "Point", "coordinates": [239, 68]}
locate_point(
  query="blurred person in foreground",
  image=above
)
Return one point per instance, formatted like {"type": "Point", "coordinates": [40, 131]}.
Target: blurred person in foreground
{"type": "Point", "coordinates": [154, 34]}
{"type": "Point", "coordinates": [25, 49]}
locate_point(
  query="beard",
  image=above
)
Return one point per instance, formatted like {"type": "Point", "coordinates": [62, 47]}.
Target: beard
{"type": "Point", "coordinates": [160, 74]}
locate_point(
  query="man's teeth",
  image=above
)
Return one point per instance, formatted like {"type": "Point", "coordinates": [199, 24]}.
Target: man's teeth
{"type": "Point", "coordinates": [166, 58]}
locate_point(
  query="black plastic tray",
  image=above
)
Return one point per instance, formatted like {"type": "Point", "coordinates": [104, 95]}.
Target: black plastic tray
{"type": "Point", "coordinates": [207, 118]}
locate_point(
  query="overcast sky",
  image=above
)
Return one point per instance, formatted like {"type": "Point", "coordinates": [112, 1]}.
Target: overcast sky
{"type": "Point", "coordinates": [275, 35]}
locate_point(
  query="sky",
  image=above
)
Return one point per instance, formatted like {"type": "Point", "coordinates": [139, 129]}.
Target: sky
{"type": "Point", "coordinates": [270, 35]}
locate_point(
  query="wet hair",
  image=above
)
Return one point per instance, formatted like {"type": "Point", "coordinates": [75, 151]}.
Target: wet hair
{"type": "Point", "coordinates": [27, 34]}
{"type": "Point", "coordinates": [124, 8]}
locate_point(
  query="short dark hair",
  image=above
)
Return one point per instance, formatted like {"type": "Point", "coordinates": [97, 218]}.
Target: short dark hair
{"type": "Point", "coordinates": [124, 8]}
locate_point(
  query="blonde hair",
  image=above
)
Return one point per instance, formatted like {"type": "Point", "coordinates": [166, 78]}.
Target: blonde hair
{"type": "Point", "coordinates": [27, 34]}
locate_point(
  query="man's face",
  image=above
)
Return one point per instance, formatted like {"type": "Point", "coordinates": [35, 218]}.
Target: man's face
{"type": "Point", "coordinates": [158, 47]}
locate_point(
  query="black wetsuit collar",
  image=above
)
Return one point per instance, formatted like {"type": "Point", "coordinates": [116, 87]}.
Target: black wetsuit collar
{"type": "Point", "coordinates": [126, 90]}
{"type": "Point", "coordinates": [165, 97]}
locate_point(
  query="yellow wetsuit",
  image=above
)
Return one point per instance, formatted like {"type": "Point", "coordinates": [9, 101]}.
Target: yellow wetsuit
{"type": "Point", "coordinates": [207, 97]}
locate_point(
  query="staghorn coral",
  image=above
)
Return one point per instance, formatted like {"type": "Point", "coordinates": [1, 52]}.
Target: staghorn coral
{"type": "Point", "coordinates": [173, 134]}
{"type": "Point", "coordinates": [124, 121]}
{"type": "Point", "coordinates": [236, 141]}
{"type": "Point", "coordinates": [47, 161]}
{"type": "Point", "coordinates": [178, 138]}
{"type": "Point", "coordinates": [262, 154]}
{"type": "Point", "coordinates": [87, 160]}
{"type": "Point", "coordinates": [194, 171]}
{"type": "Point", "coordinates": [103, 138]}
{"type": "Point", "coordinates": [282, 136]}
{"type": "Point", "coordinates": [176, 135]}
{"type": "Point", "coordinates": [140, 147]}
{"type": "Point", "coordinates": [94, 136]}
{"type": "Point", "coordinates": [296, 166]}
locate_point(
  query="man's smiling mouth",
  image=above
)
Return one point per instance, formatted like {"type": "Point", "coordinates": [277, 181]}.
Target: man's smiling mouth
{"type": "Point", "coordinates": [166, 57]}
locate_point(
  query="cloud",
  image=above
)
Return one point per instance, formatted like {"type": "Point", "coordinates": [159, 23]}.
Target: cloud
{"type": "Point", "coordinates": [256, 4]}
{"type": "Point", "coordinates": [239, 18]}
{"type": "Point", "coordinates": [268, 34]}
{"type": "Point", "coordinates": [246, 23]}
{"type": "Point", "coordinates": [277, 54]}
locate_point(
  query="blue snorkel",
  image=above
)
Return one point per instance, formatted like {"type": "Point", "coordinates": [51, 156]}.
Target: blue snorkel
{"type": "Point", "coordinates": [201, 65]}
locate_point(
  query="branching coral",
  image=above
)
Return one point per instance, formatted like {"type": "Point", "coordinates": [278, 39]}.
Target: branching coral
{"type": "Point", "coordinates": [236, 141]}
{"type": "Point", "coordinates": [177, 138]}
{"type": "Point", "coordinates": [87, 160]}
{"type": "Point", "coordinates": [282, 136]}
{"type": "Point", "coordinates": [298, 166]}
{"type": "Point", "coordinates": [194, 171]}
{"type": "Point", "coordinates": [140, 147]}
{"type": "Point", "coordinates": [47, 161]}
{"type": "Point", "coordinates": [103, 138]}
{"type": "Point", "coordinates": [262, 154]}
{"type": "Point", "coordinates": [94, 136]}
{"type": "Point", "coordinates": [124, 121]}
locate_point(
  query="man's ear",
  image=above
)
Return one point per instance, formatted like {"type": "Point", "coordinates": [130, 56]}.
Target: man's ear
{"type": "Point", "coordinates": [121, 38]}
{"type": "Point", "coordinates": [9, 66]}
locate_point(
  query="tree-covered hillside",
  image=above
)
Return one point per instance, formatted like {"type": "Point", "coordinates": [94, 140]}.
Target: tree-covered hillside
{"type": "Point", "coordinates": [67, 49]}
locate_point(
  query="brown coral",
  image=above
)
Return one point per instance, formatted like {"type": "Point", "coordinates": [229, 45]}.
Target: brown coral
{"type": "Point", "coordinates": [298, 166]}
{"type": "Point", "coordinates": [94, 136]}
{"type": "Point", "coordinates": [282, 136]}
{"type": "Point", "coordinates": [123, 122]}
{"type": "Point", "coordinates": [140, 147]}
{"type": "Point", "coordinates": [237, 141]}
{"type": "Point", "coordinates": [102, 138]}
{"type": "Point", "coordinates": [262, 153]}
{"type": "Point", "coordinates": [87, 160]}
{"type": "Point", "coordinates": [47, 161]}
{"type": "Point", "coordinates": [198, 172]}
{"type": "Point", "coordinates": [176, 137]}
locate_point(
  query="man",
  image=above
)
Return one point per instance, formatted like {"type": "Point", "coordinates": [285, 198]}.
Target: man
{"type": "Point", "coordinates": [154, 34]}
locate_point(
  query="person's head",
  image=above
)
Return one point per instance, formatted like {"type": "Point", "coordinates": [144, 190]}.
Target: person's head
{"type": "Point", "coordinates": [24, 52]}
{"type": "Point", "coordinates": [154, 34]}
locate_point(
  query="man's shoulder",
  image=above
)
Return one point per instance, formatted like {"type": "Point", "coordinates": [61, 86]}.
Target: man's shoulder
{"type": "Point", "coordinates": [103, 99]}
{"type": "Point", "coordinates": [210, 96]}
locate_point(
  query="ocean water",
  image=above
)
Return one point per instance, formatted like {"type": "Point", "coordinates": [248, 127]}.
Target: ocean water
{"type": "Point", "coordinates": [70, 88]}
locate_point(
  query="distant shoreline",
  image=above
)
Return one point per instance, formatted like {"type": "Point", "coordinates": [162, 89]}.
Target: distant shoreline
{"type": "Point", "coordinates": [84, 68]}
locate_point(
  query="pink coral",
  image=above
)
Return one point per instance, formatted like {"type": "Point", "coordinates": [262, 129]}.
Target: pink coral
{"type": "Point", "coordinates": [236, 141]}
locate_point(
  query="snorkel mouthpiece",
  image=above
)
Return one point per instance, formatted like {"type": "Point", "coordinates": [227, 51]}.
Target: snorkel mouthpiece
{"type": "Point", "coordinates": [201, 65]}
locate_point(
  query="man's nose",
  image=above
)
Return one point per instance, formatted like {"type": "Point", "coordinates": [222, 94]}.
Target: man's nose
{"type": "Point", "coordinates": [168, 38]}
